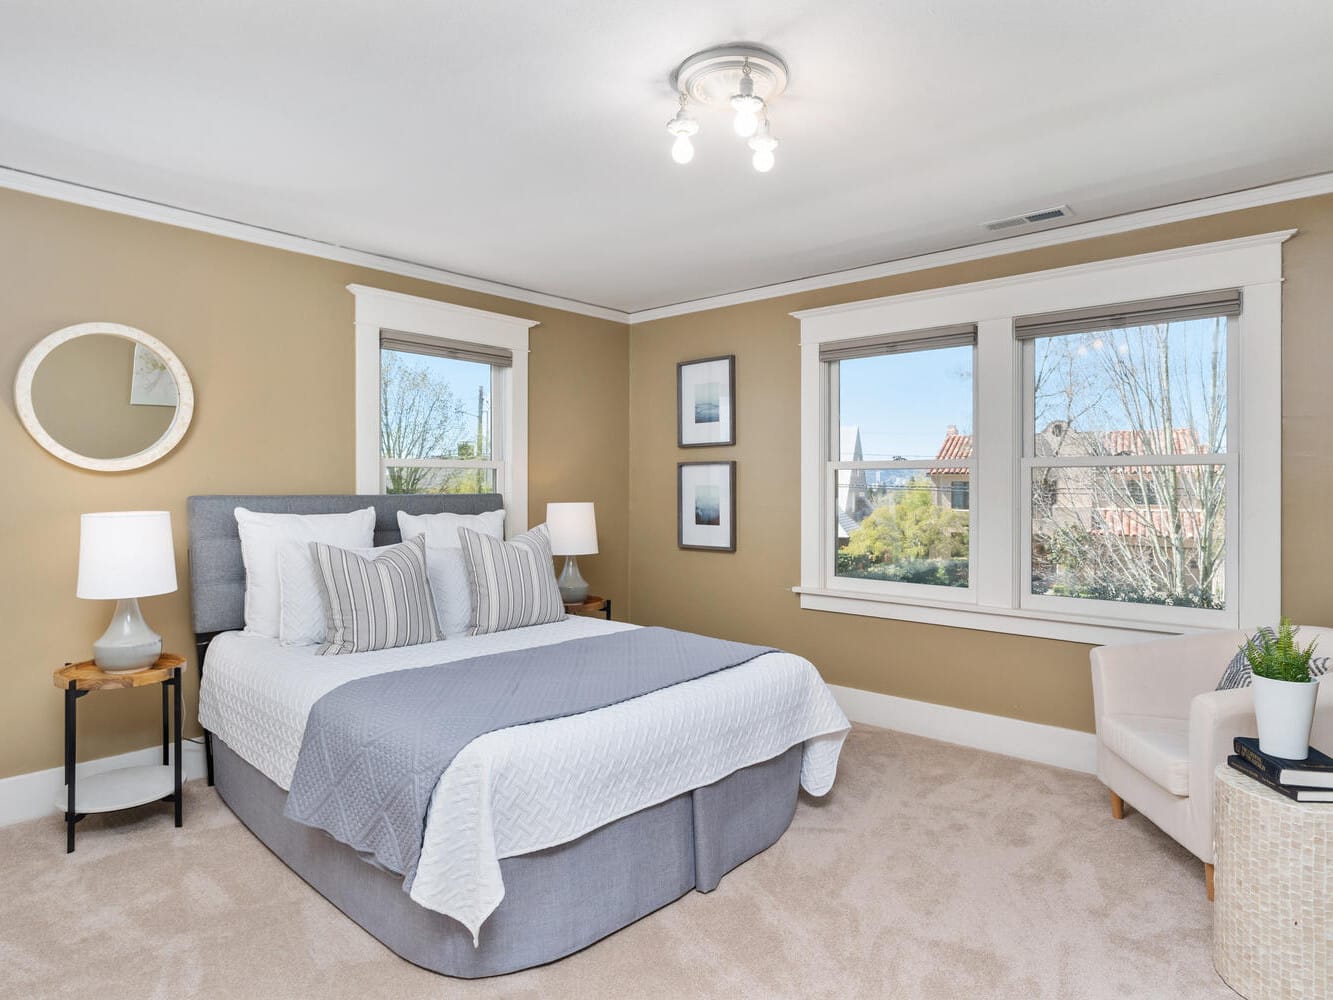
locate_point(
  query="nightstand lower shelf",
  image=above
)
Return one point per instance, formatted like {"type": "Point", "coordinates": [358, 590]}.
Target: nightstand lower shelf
{"type": "Point", "coordinates": [121, 788]}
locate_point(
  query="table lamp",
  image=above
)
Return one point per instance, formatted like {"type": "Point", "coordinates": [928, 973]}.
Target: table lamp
{"type": "Point", "coordinates": [125, 555]}
{"type": "Point", "coordinates": [573, 528]}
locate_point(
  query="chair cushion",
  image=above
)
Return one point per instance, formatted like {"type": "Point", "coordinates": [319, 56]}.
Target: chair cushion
{"type": "Point", "coordinates": [1158, 747]}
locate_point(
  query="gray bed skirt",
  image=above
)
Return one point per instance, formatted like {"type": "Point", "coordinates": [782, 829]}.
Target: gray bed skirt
{"type": "Point", "coordinates": [557, 901]}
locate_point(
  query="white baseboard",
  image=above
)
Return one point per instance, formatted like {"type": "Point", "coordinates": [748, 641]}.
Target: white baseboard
{"type": "Point", "coordinates": [1068, 748]}
{"type": "Point", "coordinates": [28, 796]}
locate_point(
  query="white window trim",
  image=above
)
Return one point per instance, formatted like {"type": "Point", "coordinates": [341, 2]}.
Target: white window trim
{"type": "Point", "coordinates": [1252, 263]}
{"type": "Point", "coordinates": [378, 310]}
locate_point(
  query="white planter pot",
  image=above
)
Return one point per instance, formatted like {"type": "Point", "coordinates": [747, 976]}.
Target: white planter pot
{"type": "Point", "coordinates": [1284, 711]}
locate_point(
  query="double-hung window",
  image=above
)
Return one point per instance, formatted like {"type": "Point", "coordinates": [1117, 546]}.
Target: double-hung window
{"type": "Point", "coordinates": [899, 446]}
{"type": "Point", "coordinates": [441, 399]}
{"type": "Point", "coordinates": [1127, 458]}
{"type": "Point", "coordinates": [1088, 453]}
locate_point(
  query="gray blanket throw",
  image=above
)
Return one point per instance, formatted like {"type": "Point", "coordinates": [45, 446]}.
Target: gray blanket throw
{"type": "Point", "coordinates": [374, 748]}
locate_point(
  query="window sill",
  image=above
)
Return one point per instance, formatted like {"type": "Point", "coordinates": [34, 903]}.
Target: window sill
{"type": "Point", "coordinates": [1043, 625]}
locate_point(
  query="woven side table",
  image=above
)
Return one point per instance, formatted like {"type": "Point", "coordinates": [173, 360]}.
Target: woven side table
{"type": "Point", "coordinates": [1272, 929]}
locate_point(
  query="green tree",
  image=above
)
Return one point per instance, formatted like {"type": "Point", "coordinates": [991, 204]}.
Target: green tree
{"type": "Point", "coordinates": [912, 528]}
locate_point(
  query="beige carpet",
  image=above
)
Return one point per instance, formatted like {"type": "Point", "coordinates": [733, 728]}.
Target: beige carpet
{"type": "Point", "coordinates": [930, 871]}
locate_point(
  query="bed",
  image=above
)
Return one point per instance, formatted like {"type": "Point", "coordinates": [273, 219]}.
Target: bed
{"type": "Point", "coordinates": [542, 838]}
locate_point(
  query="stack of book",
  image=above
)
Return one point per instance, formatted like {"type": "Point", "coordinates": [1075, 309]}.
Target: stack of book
{"type": "Point", "coordinates": [1309, 780]}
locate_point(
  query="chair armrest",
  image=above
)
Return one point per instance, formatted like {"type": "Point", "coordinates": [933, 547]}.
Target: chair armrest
{"type": "Point", "coordinates": [1216, 719]}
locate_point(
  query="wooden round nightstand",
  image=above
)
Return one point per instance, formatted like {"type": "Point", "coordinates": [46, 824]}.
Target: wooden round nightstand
{"type": "Point", "coordinates": [122, 787]}
{"type": "Point", "coordinates": [589, 605]}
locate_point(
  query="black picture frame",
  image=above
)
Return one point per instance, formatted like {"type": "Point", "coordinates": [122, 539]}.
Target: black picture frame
{"type": "Point", "coordinates": [729, 502]}
{"type": "Point", "coordinates": [730, 437]}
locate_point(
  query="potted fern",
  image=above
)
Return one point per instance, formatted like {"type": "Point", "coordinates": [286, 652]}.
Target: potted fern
{"type": "Point", "coordinates": [1284, 691]}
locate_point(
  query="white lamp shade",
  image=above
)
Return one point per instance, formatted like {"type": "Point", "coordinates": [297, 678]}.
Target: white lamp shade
{"type": "Point", "coordinates": [126, 554]}
{"type": "Point", "coordinates": [573, 528]}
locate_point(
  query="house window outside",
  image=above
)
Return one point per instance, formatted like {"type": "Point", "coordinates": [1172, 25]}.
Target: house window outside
{"type": "Point", "coordinates": [1128, 454]}
{"type": "Point", "coordinates": [958, 496]}
{"type": "Point", "coordinates": [437, 417]}
{"type": "Point", "coordinates": [894, 524]}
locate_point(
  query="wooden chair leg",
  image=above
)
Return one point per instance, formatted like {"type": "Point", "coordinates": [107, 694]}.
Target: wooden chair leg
{"type": "Point", "coordinates": [1208, 880]}
{"type": "Point", "coordinates": [1117, 806]}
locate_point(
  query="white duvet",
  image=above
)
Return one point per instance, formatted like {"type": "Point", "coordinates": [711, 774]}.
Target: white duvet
{"type": "Point", "coordinates": [530, 787]}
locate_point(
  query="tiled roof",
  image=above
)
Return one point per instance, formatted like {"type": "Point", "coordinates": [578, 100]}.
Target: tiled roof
{"type": "Point", "coordinates": [1132, 443]}
{"type": "Point", "coordinates": [955, 446]}
{"type": "Point", "coordinates": [1134, 523]}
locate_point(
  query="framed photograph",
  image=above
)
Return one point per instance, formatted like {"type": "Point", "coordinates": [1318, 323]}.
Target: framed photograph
{"type": "Point", "coordinates": [706, 516]}
{"type": "Point", "coordinates": [706, 402]}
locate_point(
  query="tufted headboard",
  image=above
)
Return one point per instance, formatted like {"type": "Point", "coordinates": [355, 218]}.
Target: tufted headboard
{"type": "Point", "coordinates": [217, 574]}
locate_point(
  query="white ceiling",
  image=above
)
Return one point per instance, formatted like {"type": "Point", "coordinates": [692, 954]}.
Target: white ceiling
{"type": "Point", "coordinates": [523, 142]}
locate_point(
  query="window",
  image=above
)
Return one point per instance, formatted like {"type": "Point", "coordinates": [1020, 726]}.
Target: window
{"type": "Point", "coordinates": [441, 399]}
{"type": "Point", "coordinates": [897, 408]}
{"type": "Point", "coordinates": [1038, 455]}
{"type": "Point", "coordinates": [1127, 452]}
{"type": "Point", "coordinates": [438, 416]}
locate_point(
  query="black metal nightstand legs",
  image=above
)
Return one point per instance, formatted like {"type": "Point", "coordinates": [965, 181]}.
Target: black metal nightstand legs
{"type": "Point", "coordinates": [71, 711]}
{"type": "Point", "coordinates": [176, 699]}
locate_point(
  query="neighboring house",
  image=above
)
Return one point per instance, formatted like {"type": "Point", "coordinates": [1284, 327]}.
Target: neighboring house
{"type": "Point", "coordinates": [953, 486]}
{"type": "Point", "coordinates": [1133, 512]}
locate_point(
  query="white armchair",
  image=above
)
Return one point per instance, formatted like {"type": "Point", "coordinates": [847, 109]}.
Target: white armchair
{"type": "Point", "coordinates": [1162, 728]}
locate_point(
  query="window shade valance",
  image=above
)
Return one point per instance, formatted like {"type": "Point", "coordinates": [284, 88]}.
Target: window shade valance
{"type": "Point", "coordinates": [1197, 305]}
{"type": "Point", "coordinates": [961, 335]}
{"type": "Point", "coordinates": [437, 347]}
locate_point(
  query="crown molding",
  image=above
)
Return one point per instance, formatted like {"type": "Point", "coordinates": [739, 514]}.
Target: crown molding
{"type": "Point", "coordinates": [110, 201]}
{"type": "Point", "coordinates": [1270, 194]}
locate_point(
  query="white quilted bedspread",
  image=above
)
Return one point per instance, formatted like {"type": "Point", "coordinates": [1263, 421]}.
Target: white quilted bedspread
{"type": "Point", "coordinates": [530, 787]}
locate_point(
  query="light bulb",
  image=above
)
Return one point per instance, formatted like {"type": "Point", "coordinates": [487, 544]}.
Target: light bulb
{"type": "Point", "coordinates": [682, 150]}
{"type": "Point", "coordinates": [745, 123]}
{"type": "Point", "coordinates": [746, 105]}
{"type": "Point", "coordinates": [763, 145]}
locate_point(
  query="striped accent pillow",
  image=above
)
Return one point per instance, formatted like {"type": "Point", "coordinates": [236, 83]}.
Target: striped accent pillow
{"type": "Point", "coordinates": [375, 598]}
{"type": "Point", "coordinates": [512, 583]}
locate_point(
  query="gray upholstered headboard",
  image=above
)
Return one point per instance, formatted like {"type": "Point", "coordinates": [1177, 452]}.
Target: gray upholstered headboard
{"type": "Point", "coordinates": [217, 574]}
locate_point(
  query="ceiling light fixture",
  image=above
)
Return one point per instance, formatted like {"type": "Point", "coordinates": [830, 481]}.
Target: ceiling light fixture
{"type": "Point", "coordinates": [744, 78]}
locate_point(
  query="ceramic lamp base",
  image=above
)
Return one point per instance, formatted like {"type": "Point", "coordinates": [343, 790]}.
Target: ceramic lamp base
{"type": "Point", "coordinates": [128, 643]}
{"type": "Point", "coordinates": [573, 588]}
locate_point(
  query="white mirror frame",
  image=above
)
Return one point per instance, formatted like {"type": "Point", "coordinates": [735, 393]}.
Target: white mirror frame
{"type": "Point", "coordinates": [180, 423]}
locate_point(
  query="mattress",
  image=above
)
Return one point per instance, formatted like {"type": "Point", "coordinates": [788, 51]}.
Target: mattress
{"type": "Point", "coordinates": [524, 789]}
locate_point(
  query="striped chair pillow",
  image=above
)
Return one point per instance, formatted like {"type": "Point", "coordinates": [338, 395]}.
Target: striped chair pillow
{"type": "Point", "coordinates": [375, 598]}
{"type": "Point", "coordinates": [512, 583]}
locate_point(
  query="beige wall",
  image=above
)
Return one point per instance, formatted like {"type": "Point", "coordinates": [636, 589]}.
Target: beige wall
{"type": "Point", "coordinates": [267, 338]}
{"type": "Point", "coordinates": [746, 595]}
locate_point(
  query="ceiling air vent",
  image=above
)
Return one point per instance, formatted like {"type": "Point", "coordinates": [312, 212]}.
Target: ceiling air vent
{"type": "Point", "coordinates": [1030, 219]}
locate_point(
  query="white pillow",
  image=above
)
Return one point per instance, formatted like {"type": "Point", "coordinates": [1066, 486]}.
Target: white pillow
{"type": "Point", "coordinates": [300, 598]}
{"type": "Point", "coordinates": [262, 537]}
{"type": "Point", "coordinates": [444, 560]}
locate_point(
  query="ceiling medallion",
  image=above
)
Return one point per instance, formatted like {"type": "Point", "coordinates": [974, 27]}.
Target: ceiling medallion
{"type": "Point", "coordinates": [743, 78]}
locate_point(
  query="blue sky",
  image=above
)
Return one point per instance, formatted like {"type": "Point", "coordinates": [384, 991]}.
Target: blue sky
{"type": "Point", "coordinates": [904, 403]}
{"type": "Point", "coordinates": [463, 379]}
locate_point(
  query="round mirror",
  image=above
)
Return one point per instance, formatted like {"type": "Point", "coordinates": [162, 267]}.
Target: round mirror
{"type": "Point", "coordinates": [104, 396]}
